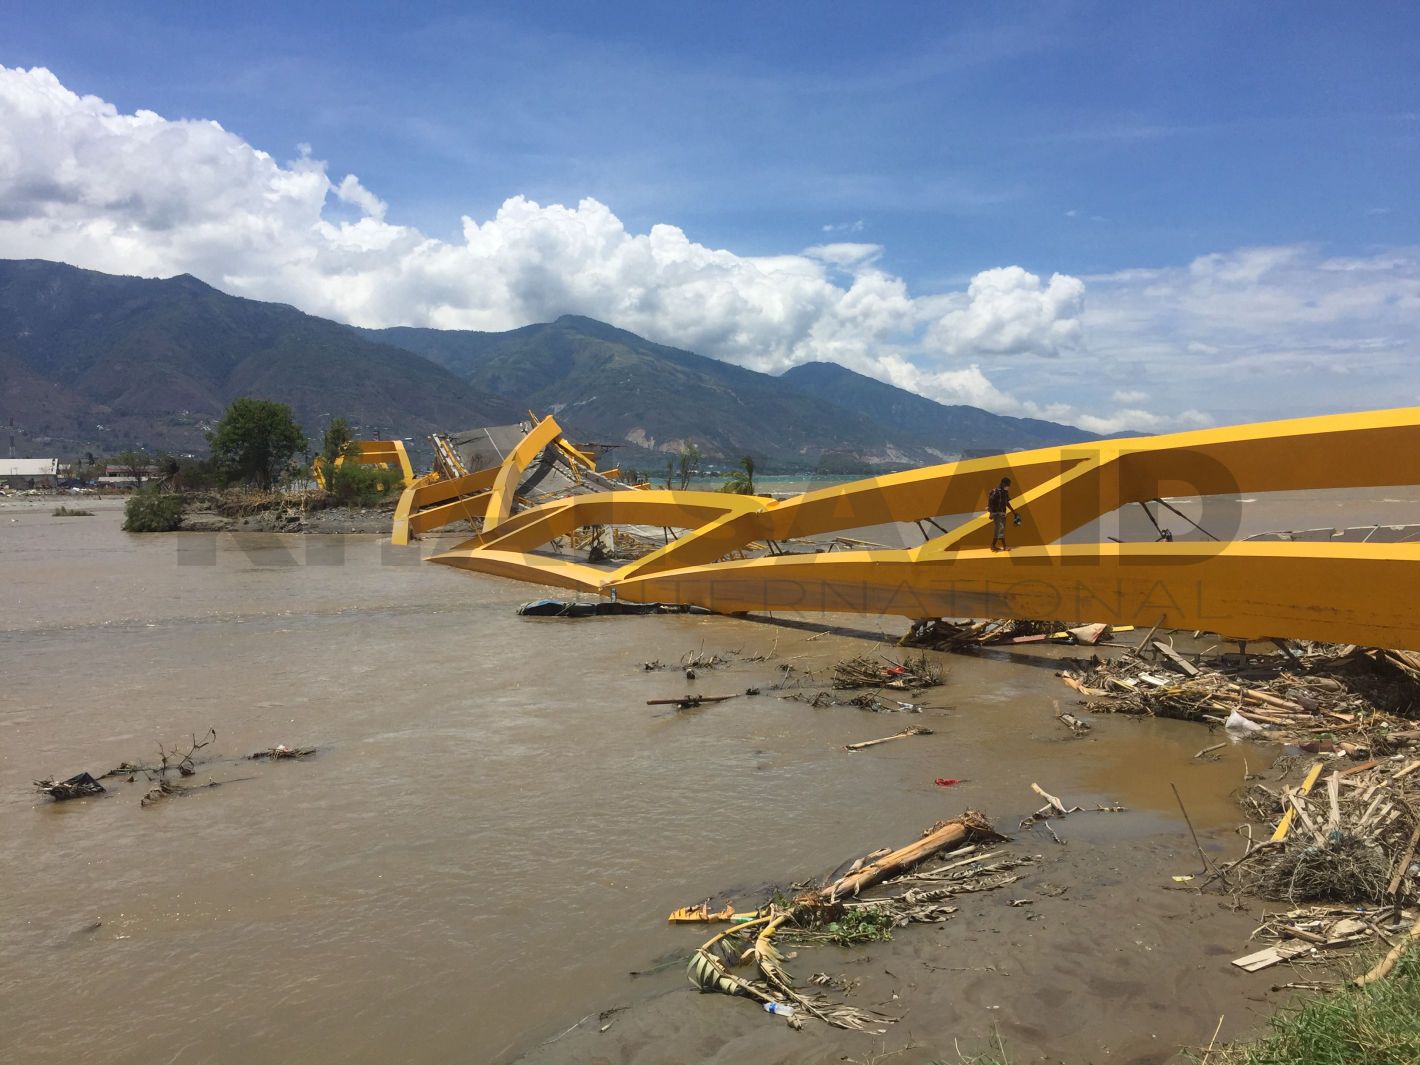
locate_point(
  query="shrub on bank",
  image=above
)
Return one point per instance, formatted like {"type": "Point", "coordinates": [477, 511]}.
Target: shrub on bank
{"type": "Point", "coordinates": [1378, 1024]}
{"type": "Point", "coordinates": [363, 486]}
{"type": "Point", "coordinates": [152, 511]}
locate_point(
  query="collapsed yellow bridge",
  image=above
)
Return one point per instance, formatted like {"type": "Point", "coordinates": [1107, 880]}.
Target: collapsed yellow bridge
{"type": "Point", "coordinates": [1361, 593]}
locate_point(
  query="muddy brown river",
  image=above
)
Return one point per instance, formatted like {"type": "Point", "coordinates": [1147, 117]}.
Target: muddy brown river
{"type": "Point", "coordinates": [496, 824]}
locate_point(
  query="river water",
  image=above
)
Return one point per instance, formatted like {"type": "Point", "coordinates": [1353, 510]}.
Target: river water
{"type": "Point", "coordinates": [495, 824]}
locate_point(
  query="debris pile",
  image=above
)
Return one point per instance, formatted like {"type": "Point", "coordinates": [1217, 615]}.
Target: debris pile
{"type": "Point", "coordinates": [867, 671]}
{"type": "Point", "coordinates": [836, 912]}
{"type": "Point", "coordinates": [1346, 845]}
{"type": "Point", "coordinates": [944, 634]}
{"type": "Point", "coordinates": [1351, 838]}
{"type": "Point", "coordinates": [1357, 697]}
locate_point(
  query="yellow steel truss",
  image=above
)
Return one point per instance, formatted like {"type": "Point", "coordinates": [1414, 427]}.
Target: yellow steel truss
{"type": "Point", "coordinates": [1346, 592]}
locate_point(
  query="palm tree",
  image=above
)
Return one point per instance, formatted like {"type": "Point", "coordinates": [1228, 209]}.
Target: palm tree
{"type": "Point", "coordinates": [741, 481]}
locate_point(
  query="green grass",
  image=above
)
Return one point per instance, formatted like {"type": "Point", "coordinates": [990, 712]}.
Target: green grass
{"type": "Point", "coordinates": [66, 512]}
{"type": "Point", "coordinates": [1378, 1024]}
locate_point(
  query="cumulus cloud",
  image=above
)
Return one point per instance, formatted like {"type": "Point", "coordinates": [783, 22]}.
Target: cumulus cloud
{"type": "Point", "coordinates": [1264, 331]}
{"type": "Point", "coordinates": [137, 193]}
{"type": "Point", "coordinates": [1009, 311]}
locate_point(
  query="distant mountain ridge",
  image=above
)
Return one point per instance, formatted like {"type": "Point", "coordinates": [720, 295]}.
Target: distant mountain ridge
{"type": "Point", "coordinates": [92, 361]}
{"type": "Point", "coordinates": [953, 427]}
{"type": "Point", "coordinates": [609, 384]}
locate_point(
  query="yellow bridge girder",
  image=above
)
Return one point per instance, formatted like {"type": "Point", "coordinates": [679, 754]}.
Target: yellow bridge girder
{"type": "Point", "coordinates": [1357, 593]}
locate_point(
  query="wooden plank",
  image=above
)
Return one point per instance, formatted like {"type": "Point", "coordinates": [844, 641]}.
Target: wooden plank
{"type": "Point", "coordinates": [1406, 770]}
{"type": "Point", "coordinates": [1301, 809]}
{"type": "Point", "coordinates": [1285, 825]}
{"type": "Point", "coordinates": [1402, 866]}
{"type": "Point", "coordinates": [1271, 956]}
{"type": "Point", "coordinates": [1188, 668]}
{"type": "Point", "coordinates": [1333, 796]}
{"type": "Point", "coordinates": [1362, 767]}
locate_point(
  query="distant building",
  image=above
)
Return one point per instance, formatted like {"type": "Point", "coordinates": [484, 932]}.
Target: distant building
{"type": "Point", "coordinates": [28, 473]}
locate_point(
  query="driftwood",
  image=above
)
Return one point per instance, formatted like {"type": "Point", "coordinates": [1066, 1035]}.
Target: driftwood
{"type": "Point", "coordinates": [689, 702]}
{"type": "Point", "coordinates": [911, 730]}
{"type": "Point", "coordinates": [940, 837]}
{"type": "Point", "coordinates": [816, 916]}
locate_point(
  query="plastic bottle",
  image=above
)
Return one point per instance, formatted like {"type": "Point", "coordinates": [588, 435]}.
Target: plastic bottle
{"type": "Point", "coordinates": [779, 1008]}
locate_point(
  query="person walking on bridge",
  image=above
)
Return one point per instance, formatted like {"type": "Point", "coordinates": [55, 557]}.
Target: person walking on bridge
{"type": "Point", "coordinates": [997, 503]}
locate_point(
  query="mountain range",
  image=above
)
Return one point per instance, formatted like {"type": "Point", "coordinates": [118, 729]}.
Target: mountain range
{"type": "Point", "coordinates": [96, 362]}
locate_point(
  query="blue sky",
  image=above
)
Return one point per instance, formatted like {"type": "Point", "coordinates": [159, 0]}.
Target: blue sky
{"type": "Point", "coordinates": [1089, 140]}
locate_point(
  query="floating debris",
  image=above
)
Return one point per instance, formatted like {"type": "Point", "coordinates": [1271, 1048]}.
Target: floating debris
{"type": "Point", "coordinates": [942, 634]}
{"type": "Point", "coordinates": [911, 730]}
{"type": "Point", "coordinates": [690, 702]}
{"type": "Point", "coordinates": [281, 751]}
{"type": "Point", "coordinates": [867, 671]}
{"type": "Point", "coordinates": [76, 787]}
{"type": "Point", "coordinates": [1357, 698]}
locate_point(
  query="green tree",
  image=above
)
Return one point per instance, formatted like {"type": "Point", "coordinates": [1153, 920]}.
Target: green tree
{"type": "Point", "coordinates": [741, 481]}
{"type": "Point", "coordinates": [255, 441]}
{"type": "Point", "coordinates": [689, 459]}
{"type": "Point", "coordinates": [670, 471]}
{"type": "Point", "coordinates": [337, 442]}
{"type": "Point", "coordinates": [134, 463]}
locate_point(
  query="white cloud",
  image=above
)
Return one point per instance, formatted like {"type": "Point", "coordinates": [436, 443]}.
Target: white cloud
{"type": "Point", "coordinates": [352, 192]}
{"type": "Point", "coordinates": [1008, 311]}
{"type": "Point", "coordinates": [140, 194]}
{"type": "Point", "coordinates": [1132, 419]}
